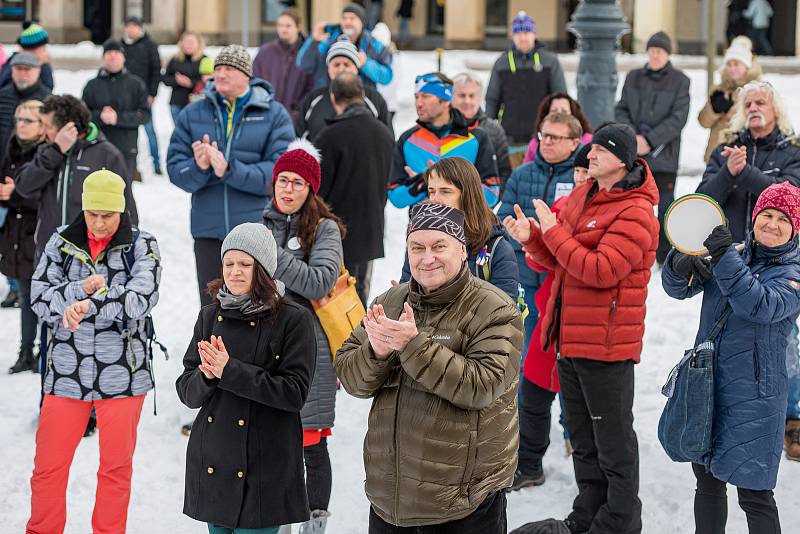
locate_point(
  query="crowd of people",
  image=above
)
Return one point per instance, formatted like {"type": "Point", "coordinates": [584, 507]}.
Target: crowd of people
{"type": "Point", "coordinates": [532, 238]}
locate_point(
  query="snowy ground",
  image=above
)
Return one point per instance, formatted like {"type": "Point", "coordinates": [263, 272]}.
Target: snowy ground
{"type": "Point", "coordinates": [666, 488]}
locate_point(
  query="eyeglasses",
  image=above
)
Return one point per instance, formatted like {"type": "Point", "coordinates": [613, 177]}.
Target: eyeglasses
{"type": "Point", "coordinates": [24, 120]}
{"type": "Point", "coordinates": [552, 138]}
{"type": "Point", "coordinates": [296, 184]}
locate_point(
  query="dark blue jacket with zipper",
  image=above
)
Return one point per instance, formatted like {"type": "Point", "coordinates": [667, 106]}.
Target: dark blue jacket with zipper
{"type": "Point", "coordinates": [260, 131]}
{"type": "Point", "coordinates": [537, 179]}
{"type": "Point", "coordinates": [762, 285]}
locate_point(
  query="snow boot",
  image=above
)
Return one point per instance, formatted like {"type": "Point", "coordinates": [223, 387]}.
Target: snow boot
{"type": "Point", "coordinates": [791, 440]}
{"type": "Point", "coordinates": [11, 300]}
{"type": "Point", "coordinates": [548, 526]}
{"type": "Point", "coordinates": [315, 525]}
{"type": "Point", "coordinates": [25, 362]}
{"type": "Point", "coordinates": [526, 481]}
{"type": "Point", "coordinates": [91, 426]}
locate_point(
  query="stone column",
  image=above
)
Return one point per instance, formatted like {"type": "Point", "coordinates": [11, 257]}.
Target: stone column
{"type": "Point", "coordinates": [465, 23]}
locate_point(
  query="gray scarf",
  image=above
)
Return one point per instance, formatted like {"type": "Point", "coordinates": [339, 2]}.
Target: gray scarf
{"type": "Point", "coordinates": [242, 302]}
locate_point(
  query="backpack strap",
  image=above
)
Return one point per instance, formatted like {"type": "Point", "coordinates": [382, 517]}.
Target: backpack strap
{"type": "Point", "coordinates": [484, 269]}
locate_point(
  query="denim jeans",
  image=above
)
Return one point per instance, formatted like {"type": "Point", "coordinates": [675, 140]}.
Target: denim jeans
{"type": "Point", "coordinates": [152, 140]}
{"type": "Point", "coordinates": [793, 370]}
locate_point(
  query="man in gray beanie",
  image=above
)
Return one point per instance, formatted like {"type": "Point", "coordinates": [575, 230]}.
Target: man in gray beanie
{"type": "Point", "coordinates": [317, 110]}
{"type": "Point", "coordinates": [374, 60]}
{"type": "Point", "coordinates": [226, 164]}
{"type": "Point", "coordinates": [449, 367]}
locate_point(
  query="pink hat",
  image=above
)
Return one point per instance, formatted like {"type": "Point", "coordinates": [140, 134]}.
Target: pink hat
{"type": "Point", "coordinates": [783, 197]}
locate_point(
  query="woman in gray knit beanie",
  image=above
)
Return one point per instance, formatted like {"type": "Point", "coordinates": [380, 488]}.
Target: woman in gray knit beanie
{"type": "Point", "coordinates": [248, 368]}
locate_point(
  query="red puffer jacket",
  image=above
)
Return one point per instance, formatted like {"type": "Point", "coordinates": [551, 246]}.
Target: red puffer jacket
{"type": "Point", "coordinates": [601, 253]}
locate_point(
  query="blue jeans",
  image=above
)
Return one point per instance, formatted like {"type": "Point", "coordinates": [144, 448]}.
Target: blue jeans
{"type": "Point", "coordinates": [12, 284]}
{"type": "Point", "coordinates": [152, 140]}
{"type": "Point", "coordinates": [793, 370]}
{"type": "Point", "coordinates": [212, 529]}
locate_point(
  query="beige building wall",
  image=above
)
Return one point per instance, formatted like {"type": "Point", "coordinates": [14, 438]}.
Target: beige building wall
{"type": "Point", "coordinates": [546, 13]}
{"type": "Point", "coordinates": [419, 20]}
{"type": "Point", "coordinates": [63, 20]}
{"type": "Point", "coordinates": [326, 11]}
{"type": "Point", "coordinates": [465, 25]}
{"type": "Point", "coordinates": [651, 16]}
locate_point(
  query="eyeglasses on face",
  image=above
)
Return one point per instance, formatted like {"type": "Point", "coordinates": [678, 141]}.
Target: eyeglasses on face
{"type": "Point", "coordinates": [297, 184]}
{"type": "Point", "coordinates": [552, 137]}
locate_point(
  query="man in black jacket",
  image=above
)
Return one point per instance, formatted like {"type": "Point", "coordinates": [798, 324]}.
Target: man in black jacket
{"type": "Point", "coordinates": [117, 100]}
{"type": "Point", "coordinates": [316, 109]}
{"type": "Point", "coordinates": [356, 154]}
{"type": "Point", "coordinates": [26, 85]}
{"type": "Point", "coordinates": [142, 59]}
{"type": "Point", "coordinates": [655, 103]}
{"type": "Point", "coordinates": [55, 176]}
{"type": "Point", "coordinates": [467, 96]}
{"type": "Point", "coordinates": [760, 150]}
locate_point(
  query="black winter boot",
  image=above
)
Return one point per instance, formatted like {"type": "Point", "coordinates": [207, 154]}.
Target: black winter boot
{"type": "Point", "coordinates": [11, 300]}
{"type": "Point", "coordinates": [25, 362]}
{"type": "Point", "coordinates": [548, 526]}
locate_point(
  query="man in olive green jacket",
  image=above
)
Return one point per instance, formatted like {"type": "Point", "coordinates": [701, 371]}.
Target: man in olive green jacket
{"type": "Point", "coordinates": [440, 357]}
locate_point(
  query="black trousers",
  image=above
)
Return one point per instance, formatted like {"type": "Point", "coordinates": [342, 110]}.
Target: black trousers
{"type": "Point", "coordinates": [363, 275]}
{"type": "Point", "coordinates": [534, 427]}
{"type": "Point", "coordinates": [666, 194]}
{"type": "Point", "coordinates": [318, 475]}
{"type": "Point", "coordinates": [598, 414]}
{"type": "Point", "coordinates": [28, 320]}
{"type": "Point", "coordinates": [711, 506]}
{"type": "Point", "coordinates": [208, 263]}
{"type": "Point", "coordinates": [488, 518]}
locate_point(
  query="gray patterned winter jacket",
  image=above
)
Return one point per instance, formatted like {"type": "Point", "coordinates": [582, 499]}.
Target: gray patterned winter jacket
{"type": "Point", "coordinates": [106, 357]}
{"type": "Point", "coordinates": [310, 277]}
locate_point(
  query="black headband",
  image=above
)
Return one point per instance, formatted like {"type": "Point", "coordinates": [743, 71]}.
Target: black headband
{"type": "Point", "coordinates": [437, 217]}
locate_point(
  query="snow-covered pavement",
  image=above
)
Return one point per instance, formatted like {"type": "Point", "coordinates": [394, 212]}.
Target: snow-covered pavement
{"type": "Point", "coordinates": [666, 488]}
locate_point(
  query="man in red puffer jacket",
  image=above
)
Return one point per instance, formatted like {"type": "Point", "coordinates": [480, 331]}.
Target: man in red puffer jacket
{"type": "Point", "coordinates": [600, 250]}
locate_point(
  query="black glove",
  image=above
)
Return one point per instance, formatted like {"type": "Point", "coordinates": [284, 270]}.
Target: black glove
{"type": "Point", "coordinates": [718, 242]}
{"type": "Point", "coordinates": [720, 103]}
{"type": "Point", "coordinates": [691, 267]}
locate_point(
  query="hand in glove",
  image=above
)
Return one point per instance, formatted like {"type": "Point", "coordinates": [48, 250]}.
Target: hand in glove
{"type": "Point", "coordinates": [720, 103]}
{"type": "Point", "coordinates": [691, 267]}
{"type": "Point", "coordinates": [718, 242]}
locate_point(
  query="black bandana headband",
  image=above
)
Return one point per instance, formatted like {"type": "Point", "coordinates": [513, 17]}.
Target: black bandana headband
{"type": "Point", "coordinates": [437, 217]}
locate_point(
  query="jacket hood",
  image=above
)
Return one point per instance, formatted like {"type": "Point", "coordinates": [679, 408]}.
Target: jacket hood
{"type": "Point", "coordinates": [261, 93]}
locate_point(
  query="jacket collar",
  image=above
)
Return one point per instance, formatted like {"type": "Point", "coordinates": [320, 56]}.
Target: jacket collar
{"type": "Point", "coordinates": [442, 297]}
{"type": "Point", "coordinates": [357, 109]}
{"type": "Point", "coordinates": [775, 139]}
{"type": "Point", "coordinates": [557, 167]}
{"type": "Point", "coordinates": [786, 253]}
{"type": "Point", "coordinates": [261, 94]}
{"type": "Point", "coordinates": [103, 73]}
{"type": "Point", "coordinates": [639, 182]}
{"type": "Point", "coordinates": [279, 220]}
{"type": "Point", "coordinates": [458, 125]}
{"type": "Point", "coordinates": [77, 233]}
{"type": "Point", "coordinates": [658, 74]}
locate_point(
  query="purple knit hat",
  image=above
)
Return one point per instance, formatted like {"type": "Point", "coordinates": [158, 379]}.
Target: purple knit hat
{"type": "Point", "coordinates": [523, 23]}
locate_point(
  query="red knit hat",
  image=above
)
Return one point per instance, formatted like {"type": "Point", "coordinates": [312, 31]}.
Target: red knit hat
{"type": "Point", "coordinates": [303, 158]}
{"type": "Point", "coordinates": [783, 197]}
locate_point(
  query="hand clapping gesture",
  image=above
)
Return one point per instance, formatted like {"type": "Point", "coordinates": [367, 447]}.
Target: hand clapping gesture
{"type": "Point", "coordinates": [387, 335]}
{"type": "Point", "coordinates": [213, 357]}
{"type": "Point", "coordinates": [737, 158]}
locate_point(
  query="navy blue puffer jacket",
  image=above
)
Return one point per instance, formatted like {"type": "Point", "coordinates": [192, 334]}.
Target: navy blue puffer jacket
{"type": "Point", "coordinates": [260, 133]}
{"type": "Point", "coordinates": [750, 383]}
{"type": "Point", "coordinates": [537, 179]}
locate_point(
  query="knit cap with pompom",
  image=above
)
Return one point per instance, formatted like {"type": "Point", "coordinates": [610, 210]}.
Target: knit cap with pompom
{"type": "Point", "coordinates": [303, 158]}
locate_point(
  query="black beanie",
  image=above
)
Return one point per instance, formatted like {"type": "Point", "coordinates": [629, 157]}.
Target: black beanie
{"type": "Point", "coordinates": [112, 44]}
{"type": "Point", "coordinates": [582, 157]}
{"type": "Point", "coordinates": [660, 40]}
{"type": "Point", "coordinates": [356, 10]}
{"type": "Point", "coordinates": [619, 139]}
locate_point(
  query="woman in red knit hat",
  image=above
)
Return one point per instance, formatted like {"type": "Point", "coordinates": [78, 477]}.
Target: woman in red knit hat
{"type": "Point", "coordinates": [309, 238]}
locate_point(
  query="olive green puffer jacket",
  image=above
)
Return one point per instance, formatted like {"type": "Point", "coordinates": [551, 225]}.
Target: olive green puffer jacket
{"type": "Point", "coordinates": [443, 430]}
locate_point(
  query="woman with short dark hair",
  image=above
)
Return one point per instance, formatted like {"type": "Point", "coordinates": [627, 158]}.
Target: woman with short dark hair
{"type": "Point", "coordinates": [248, 368]}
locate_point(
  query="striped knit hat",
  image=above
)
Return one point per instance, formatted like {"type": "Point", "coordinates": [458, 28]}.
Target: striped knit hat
{"type": "Point", "coordinates": [237, 57]}
{"type": "Point", "coordinates": [523, 23]}
{"type": "Point", "coordinates": [344, 48]}
{"type": "Point", "coordinates": [32, 36]}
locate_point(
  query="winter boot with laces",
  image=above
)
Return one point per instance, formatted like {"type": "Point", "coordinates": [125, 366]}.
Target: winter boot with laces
{"type": "Point", "coordinates": [791, 440]}
{"type": "Point", "coordinates": [315, 525]}
{"type": "Point", "coordinates": [25, 362]}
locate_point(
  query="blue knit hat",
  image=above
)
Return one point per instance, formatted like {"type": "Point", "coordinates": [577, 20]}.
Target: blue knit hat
{"type": "Point", "coordinates": [523, 23]}
{"type": "Point", "coordinates": [32, 36]}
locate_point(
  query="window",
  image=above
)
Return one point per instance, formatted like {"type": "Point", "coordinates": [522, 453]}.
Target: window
{"type": "Point", "coordinates": [13, 10]}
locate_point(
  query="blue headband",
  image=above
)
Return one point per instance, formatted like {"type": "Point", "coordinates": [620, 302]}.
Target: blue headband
{"type": "Point", "coordinates": [432, 84]}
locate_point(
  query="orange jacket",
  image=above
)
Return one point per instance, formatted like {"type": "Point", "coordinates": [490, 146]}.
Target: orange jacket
{"type": "Point", "coordinates": [600, 252]}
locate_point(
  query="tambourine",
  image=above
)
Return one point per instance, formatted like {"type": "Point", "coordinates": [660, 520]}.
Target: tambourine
{"type": "Point", "coordinates": [689, 221]}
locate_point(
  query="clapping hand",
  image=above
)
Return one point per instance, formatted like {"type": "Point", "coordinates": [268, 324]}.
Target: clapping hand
{"type": "Point", "coordinates": [108, 116]}
{"type": "Point", "coordinates": [94, 283]}
{"type": "Point", "coordinates": [547, 219]}
{"type": "Point", "coordinates": [387, 335]}
{"type": "Point", "coordinates": [519, 226]}
{"type": "Point", "coordinates": [201, 156]}
{"type": "Point", "coordinates": [737, 158]}
{"type": "Point", "coordinates": [213, 357]}
{"type": "Point", "coordinates": [74, 314]}
{"type": "Point", "coordinates": [217, 160]}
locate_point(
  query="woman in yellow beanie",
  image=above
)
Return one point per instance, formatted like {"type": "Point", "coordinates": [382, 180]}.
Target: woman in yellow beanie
{"type": "Point", "coordinates": [95, 284]}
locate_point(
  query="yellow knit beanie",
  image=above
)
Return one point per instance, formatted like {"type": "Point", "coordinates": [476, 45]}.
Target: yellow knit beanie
{"type": "Point", "coordinates": [103, 190]}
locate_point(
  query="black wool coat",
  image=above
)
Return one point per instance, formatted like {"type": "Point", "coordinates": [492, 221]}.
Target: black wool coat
{"type": "Point", "coordinates": [357, 152]}
{"type": "Point", "coordinates": [244, 462]}
{"type": "Point", "coordinates": [17, 245]}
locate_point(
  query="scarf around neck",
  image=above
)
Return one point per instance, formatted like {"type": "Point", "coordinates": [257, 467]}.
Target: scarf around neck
{"type": "Point", "coordinates": [244, 303]}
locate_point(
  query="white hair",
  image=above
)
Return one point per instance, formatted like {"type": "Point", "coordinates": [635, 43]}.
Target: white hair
{"type": "Point", "coordinates": [466, 77]}
{"type": "Point", "coordinates": [739, 118]}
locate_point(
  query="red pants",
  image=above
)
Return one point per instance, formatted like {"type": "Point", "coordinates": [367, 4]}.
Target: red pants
{"type": "Point", "coordinates": [62, 423]}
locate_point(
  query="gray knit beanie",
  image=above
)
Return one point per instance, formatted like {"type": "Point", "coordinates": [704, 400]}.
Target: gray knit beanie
{"type": "Point", "coordinates": [235, 56]}
{"type": "Point", "coordinates": [254, 239]}
{"type": "Point", "coordinates": [344, 48]}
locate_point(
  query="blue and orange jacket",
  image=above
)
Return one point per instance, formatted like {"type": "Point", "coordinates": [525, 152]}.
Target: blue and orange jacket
{"type": "Point", "coordinates": [419, 147]}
